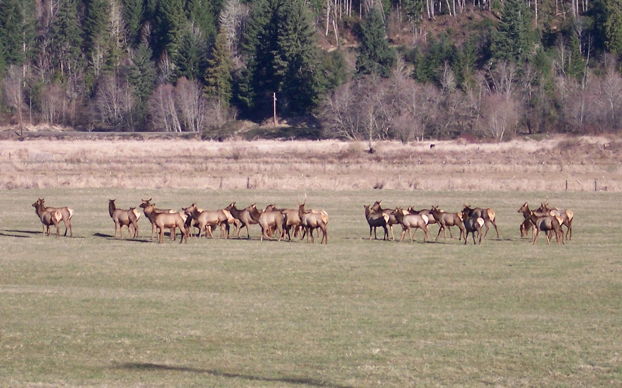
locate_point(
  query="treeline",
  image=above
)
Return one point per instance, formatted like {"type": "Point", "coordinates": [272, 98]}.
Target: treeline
{"type": "Point", "coordinates": [368, 69]}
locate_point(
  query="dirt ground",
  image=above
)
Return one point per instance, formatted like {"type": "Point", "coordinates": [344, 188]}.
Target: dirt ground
{"type": "Point", "coordinates": [553, 164]}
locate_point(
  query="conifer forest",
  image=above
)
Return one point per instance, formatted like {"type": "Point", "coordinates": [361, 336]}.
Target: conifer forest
{"type": "Point", "coordinates": [349, 69]}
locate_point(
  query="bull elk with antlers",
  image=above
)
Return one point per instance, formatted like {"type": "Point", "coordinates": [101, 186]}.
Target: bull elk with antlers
{"type": "Point", "coordinates": [66, 213]}
{"type": "Point", "coordinates": [47, 217]}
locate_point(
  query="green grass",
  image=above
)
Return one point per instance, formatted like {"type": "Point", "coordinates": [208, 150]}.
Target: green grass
{"type": "Point", "coordinates": [98, 311]}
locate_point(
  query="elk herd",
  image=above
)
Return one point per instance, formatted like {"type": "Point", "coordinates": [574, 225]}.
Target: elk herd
{"type": "Point", "coordinates": [276, 223]}
{"type": "Point", "coordinates": [468, 220]}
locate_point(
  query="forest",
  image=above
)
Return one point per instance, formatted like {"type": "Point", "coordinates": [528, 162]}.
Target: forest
{"type": "Point", "coordinates": [346, 69]}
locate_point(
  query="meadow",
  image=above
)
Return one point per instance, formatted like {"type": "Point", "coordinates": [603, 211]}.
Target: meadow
{"type": "Point", "coordinates": [96, 311]}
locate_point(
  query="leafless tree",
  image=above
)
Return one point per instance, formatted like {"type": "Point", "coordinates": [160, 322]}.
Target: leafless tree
{"type": "Point", "coordinates": [500, 115]}
{"type": "Point", "coordinates": [162, 109]}
{"type": "Point", "coordinates": [191, 104]}
{"type": "Point", "coordinates": [113, 101]}
{"type": "Point", "coordinates": [52, 97]}
{"type": "Point", "coordinates": [13, 91]}
{"type": "Point", "coordinates": [610, 99]}
{"type": "Point", "coordinates": [232, 19]}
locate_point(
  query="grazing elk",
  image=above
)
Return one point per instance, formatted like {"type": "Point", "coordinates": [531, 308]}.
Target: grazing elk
{"type": "Point", "coordinates": [166, 221]}
{"type": "Point", "coordinates": [446, 220]}
{"type": "Point", "coordinates": [243, 216]}
{"type": "Point", "coordinates": [376, 219]}
{"type": "Point", "coordinates": [66, 212]}
{"type": "Point", "coordinates": [411, 221]}
{"type": "Point", "coordinates": [313, 219]}
{"type": "Point", "coordinates": [546, 224]}
{"type": "Point", "coordinates": [376, 207]}
{"type": "Point", "coordinates": [268, 220]}
{"type": "Point", "coordinates": [566, 215]}
{"type": "Point", "coordinates": [48, 217]}
{"type": "Point", "coordinates": [123, 218]}
{"type": "Point", "coordinates": [472, 224]}
{"type": "Point", "coordinates": [151, 211]}
{"type": "Point", "coordinates": [488, 215]}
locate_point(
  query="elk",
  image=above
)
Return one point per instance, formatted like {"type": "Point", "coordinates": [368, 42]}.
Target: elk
{"type": "Point", "coordinates": [546, 224]}
{"type": "Point", "coordinates": [243, 216]}
{"type": "Point", "coordinates": [166, 220]}
{"type": "Point", "coordinates": [411, 221]}
{"type": "Point", "coordinates": [376, 219]}
{"type": "Point", "coordinates": [472, 224]}
{"type": "Point", "coordinates": [311, 220]}
{"type": "Point", "coordinates": [123, 218]}
{"type": "Point", "coordinates": [48, 217]}
{"type": "Point", "coordinates": [206, 219]}
{"type": "Point", "coordinates": [376, 207]}
{"type": "Point", "coordinates": [268, 220]}
{"type": "Point", "coordinates": [150, 211]}
{"type": "Point", "coordinates": [446, 220]}
{"type": "Point", "coordinates": [566, 215]}
{"type": "Point", "coordinates": [488, 215]}
{"type": "Point", "coordinates": [66, 213]}
{"type": "Point", "coordinates": [526, 225]}
{"type": "Point", "coordinates": [293, 220]}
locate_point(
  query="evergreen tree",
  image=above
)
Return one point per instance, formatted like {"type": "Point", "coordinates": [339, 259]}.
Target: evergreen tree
{"type": "Point", "coordinates": [133, 16]}
{"type": "Point", "coordinates": [169, 22]}
{"type": "Point", "coordinates": [96, 39]}
{"type": "Point", "coordinates": [190, 57]}
{"type": "Point", "coordinates": [613, 26]}
{"type": "Point", "coordinates": [201, 14]}
{"type": "Point", "coordinates": [142, 75]}
{"type": "Point", "coordinates": [374, 53]}
{"type": "Point", "coordinates": [513, 39]}
{"type": "Point", "coordinates": [218, 76]}
{"type": "Point", "coordinates": [17, 30]}
{"type": "Point", "coordinates": [66, 39]}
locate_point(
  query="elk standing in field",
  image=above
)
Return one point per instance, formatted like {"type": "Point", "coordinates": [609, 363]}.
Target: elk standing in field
{"type": "Point", "coordinates": [267, 220]}
{"type": "Point", "coordinates": [472, 224]}
{"type": "Point", "coordinates": [376, 207]}
{"type": "Point", "coordinates": [446, 220]}
{"type": "Point", "coordinates": [488, 215]}
{"type": "Point", "coordinates": [206, 219]}
{"type": "Point", "coordinates": [411, 221]}
{"type": "Point", "coordinates": [166, 221]}
{"type": "Point", "coordinates": [123, 218]}
{"type": "Point", "coordinates": [566, 215]}
{"type": "Point", "coordinates": [243, 216]}
{"type": "Point", "coordinates": [66, 213]}
{"type": "Point", "coordinates": [526, 225]}
{"type": "Point", "coordinates": [151, 211]}
{"type": "Point", "coordinates": [546, 224]}
{"type": "Point", "coordinates": [48, 217]}
{"type": "Point", "coordinates": [293, 220]}
{"type": "Point", "coordinates": [311, 220]}
{"type": "Point", "coordinates": [376, 219]}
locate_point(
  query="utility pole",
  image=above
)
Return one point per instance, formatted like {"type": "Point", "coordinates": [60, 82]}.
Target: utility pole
{"type": "Point", "coordinates": [274, 114]}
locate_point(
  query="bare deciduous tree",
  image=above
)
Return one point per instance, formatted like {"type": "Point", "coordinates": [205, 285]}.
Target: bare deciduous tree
{"type": "Point", "coordinates": [113, 101]}
{"type": "Point", "coordinates": [13, 90]}
{"type": "Point", "coordinates": [500, 115]}
{"type": "Point", "coordinates": [191, 104]}
{"type": "Point", "coordinates": [162, 109]}
{"type": "Point", "coordinates": [52, 97]}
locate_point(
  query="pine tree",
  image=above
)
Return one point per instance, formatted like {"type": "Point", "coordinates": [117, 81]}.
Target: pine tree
{"type": "Point", "coordinates": [513, 39]}
{"type": "Point", "coordinates": [201, 14]}
{"type": "Point", "coordinates": [218, 76]}
{"type": "Point", "coordinates": [142, 76]}
{"type": "Point", "coordinates": [96, 39]}
{"type": "Point", "coordinates": [613, 26]}
{"type": "Point", "coordinates": [65, 38]}
{"type": "Point", "coordinates": [169, 22]}
{"type": "Point", "coordinates": [374, 53]}
{"type": "Point", "coordinates": [133, 16]}
{"type": "Point", "coordinates": [17, 30]}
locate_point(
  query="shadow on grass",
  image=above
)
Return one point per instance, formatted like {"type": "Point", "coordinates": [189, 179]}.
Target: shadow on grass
{"type": "Point", "coordinates": [111, 237]}
{"type": "Point", "coordinates": [160, 367]}
{"type": "Point", "coordinates": [12, 233]}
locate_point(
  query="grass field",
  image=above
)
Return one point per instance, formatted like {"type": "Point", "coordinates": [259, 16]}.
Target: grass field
{"type": "Point", "coordinates": [103, 312]}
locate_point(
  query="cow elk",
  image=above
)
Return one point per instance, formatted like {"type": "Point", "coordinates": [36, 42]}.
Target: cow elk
{"type": "Point", "coordinates": [145, 203]}
{"type": "Point", "coordinates": [206, 219]}
{"type": "Point", "coordinates": [48, 217]}
{"type": "Point", "coordinates": [488, 215]}
{"type": "Point", "coordinates": [268, 220]}
{"type": "Point", "coordinates": [566, 215]}
{"type": "Point", "coordinates": [447, 220]}
{"type": "Point", "coordinates": [311, 220]}
{"type": "Point", "coordinates": [243, 216]}
{"type": "Point", "coordinates": [472, 224]}
{"type": "Point", "coordinates": [526, 225]}
{"type": "Point", "coordinates": [547, 224]}
{"type": "Point", "coordinates": [411, 221]}
{"type": "Point", "coordinates": [123, 218]}
{"type": "Point", "coordinates": [376, 219]}
{"type": "Point", "coordinates": [66, 213]}
{"type": "Point", "coordinates": [166, 221]}
{"type": "Point", "coordinates": [376, 207]}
